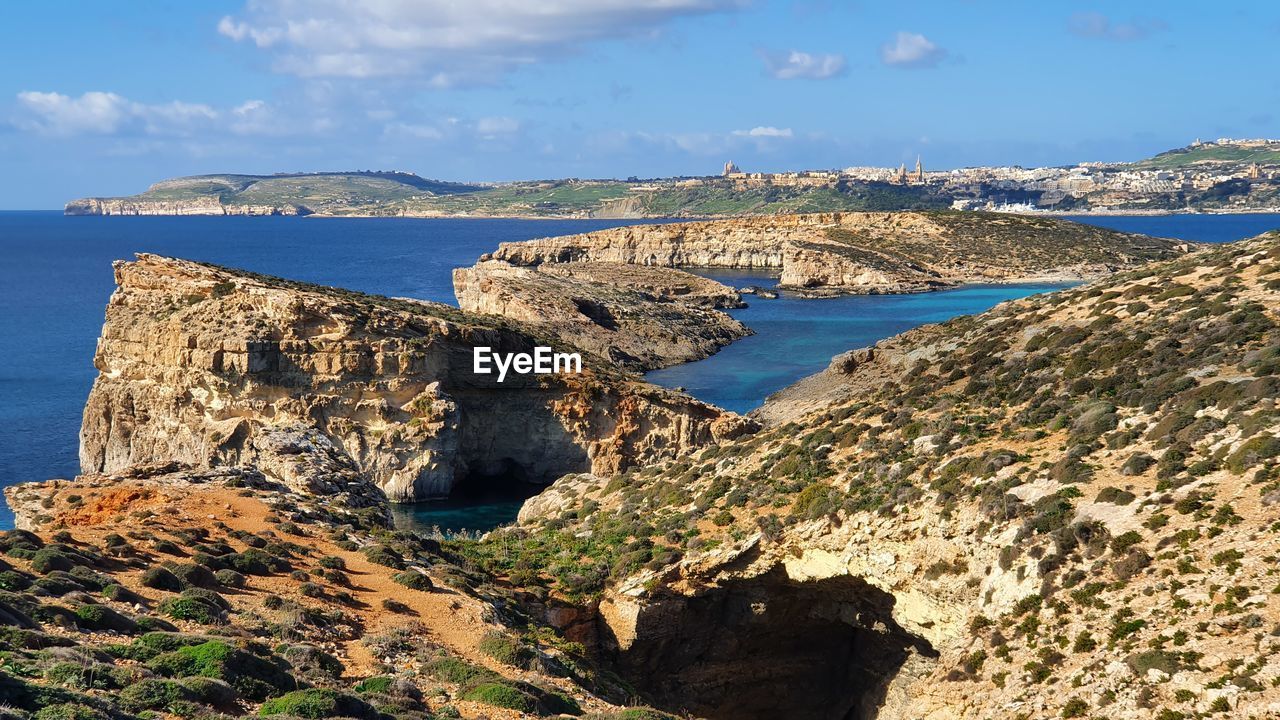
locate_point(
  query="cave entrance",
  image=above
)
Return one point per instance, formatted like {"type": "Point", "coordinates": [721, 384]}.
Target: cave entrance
{"type": "Point", "coordinates": [769, 647]}
{"type": "Point", "coordinates": [479, 501]}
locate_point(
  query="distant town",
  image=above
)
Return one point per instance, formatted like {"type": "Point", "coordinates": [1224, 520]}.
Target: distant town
{"type": "Point", "coordinates": [1204, 167]}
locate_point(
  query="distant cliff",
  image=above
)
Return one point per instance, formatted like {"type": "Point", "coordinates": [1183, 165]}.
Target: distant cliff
{"type": "Point", "coordinates": [828, 253]}
{"type": "Point", "coordinates": [198, 206]}
{"type": "Point", "coordinates": [207, 366]}
{"type": "Point", "coordinates": [281, 194]}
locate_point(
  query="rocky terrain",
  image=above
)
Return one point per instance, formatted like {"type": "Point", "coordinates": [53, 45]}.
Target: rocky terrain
{"type": "Point", "coordinates": [1063, 507]}
{"type": "Point", "coordinates": [1060, 508]}
{"type": "Point", "coordinates": [828, 253]}
{"type": "Point", "coordinates": [640, 318]}
{"type": "Point", "coordinates": [209, 366]}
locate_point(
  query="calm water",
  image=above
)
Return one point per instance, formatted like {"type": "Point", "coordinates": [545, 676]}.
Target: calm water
{"type": "Point", "coordinates": [57, 277]}
{"type": "Point", "coordinates": [796, 337]}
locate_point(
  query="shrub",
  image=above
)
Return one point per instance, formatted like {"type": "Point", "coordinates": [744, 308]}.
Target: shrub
{"type": "Point", "coordinates": [159, 578]}
{"type": "Point", "coordinates": [253, 677]}
{"type": "Point", "coordinates": [414, 580]}
{"type": "Point", "coordinates": [505, 649]}
{"type": "Point", "coordinates": [210, 691]}
{"type": "Point", "coordinates": [152, 694]}
{"type": "Point", "coordinates": [14, 580]}
{"type": "Point", "coordinates": [193, 575]}
{"type": "Point", "coordinates": [51, 558]}
{"type": "Point", "coordinates": [69, 711]}
{"type": "Point", "coordinates": [501, 695]}
{"type": "Point", "coordinates": [317, 703]}
{"type": "Point", "coordinates": [459, 672]}
{"type": "Point", "coordinates": [332, 563]}
{"type": "Point", "coordinates": [1256, 450]}
{"type": "Point", "coordinates": [640, 714]}
{"type": "Point", "coordinates": [230, 578]}
{"type": "Point", "coordinates": [101, 617]}
{"type": "Point", "coordinates": [186, 608]}
{"type": "Point", "coordinates": [375, 684]}
{"type": "Point", "coordinates": [81, 676]}
{"type": "Point", "coordinates": [1115, 496]}
{"type": "Point", "coordinates": [383, 555]}
{"type": "Point", "coordinates": [1123, 542]}
{"type": "Point", "coordinates": [1075, 708]}
{"type": "Point", "coordinates": [256, 562]}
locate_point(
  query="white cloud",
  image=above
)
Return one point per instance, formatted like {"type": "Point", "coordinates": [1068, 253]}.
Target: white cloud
{"type": "Point", "coordinates": [1097, 25]}
{"type": "Point", "coordinates": [442, 42]}
{"type": "Point", "coordinates": [108, 113]}
{"type": "Point", "coordinates": [911, 50]}
{"type": "Point", "coordinates": [764, 132]}
{"type": "Point", "coordinates": [493, 126]}
{"type": "Point", "coordinates": [415, 131]}
{"type": "Point", "coordinates": [796, 64]}
{"type": "Point", "coordinates": [57, 114]}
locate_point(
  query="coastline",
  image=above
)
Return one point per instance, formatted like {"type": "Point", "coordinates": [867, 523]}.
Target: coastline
{"type": "Point", "coordinates": [667, 218]}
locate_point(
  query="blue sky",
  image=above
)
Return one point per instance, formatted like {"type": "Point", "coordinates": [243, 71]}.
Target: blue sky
{"type": "Point", "coordinates": [105, 98]}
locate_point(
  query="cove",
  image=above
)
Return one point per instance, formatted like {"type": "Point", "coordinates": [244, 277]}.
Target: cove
{"type": "Point", "coordinates": [797, 336]}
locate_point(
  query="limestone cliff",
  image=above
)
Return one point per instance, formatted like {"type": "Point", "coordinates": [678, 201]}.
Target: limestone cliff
{"type": "Point", "coordinates": [1062, 507]}
{"type": "Point", "coordinates": [864, 252]}
{"type": "Point", "coordinates": [201, 364]}
{"type": "Point", "coordinates": [194, 206]}
{"type": "Point", "coordinates": [640, 318]}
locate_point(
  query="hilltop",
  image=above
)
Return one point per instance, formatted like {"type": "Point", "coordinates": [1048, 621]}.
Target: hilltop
{"type": "Point", "coordinates": [280, 194]}
{"type": "Point", "coordinates": [1222, 153]}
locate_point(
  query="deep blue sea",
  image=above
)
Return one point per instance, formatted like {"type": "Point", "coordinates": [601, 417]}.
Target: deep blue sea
{"type": "Point", "coordinates": [57, 278]}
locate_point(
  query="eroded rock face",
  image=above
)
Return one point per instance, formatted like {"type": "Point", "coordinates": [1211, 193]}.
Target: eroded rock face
{"type": "Point", "coordinates": [767, 646]}
{"type": "Point", "coordinates": [1023, 488]}
{"type": "Point", "coordinates": [827, 253]}
{"type": "Point", "coordinates": [203, 365]}
{"type": "Point", "coordinates": [641, 318]}
{"type": "Point", "coordinates": [204, 206]}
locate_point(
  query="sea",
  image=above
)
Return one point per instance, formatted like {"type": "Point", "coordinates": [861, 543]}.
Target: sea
{"type": "Point", "coordinates": [57, 277]}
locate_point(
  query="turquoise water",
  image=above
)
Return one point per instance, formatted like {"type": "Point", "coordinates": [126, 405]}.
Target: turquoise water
{"type": "Point", "coordinates": [57, 277]}
{"type": "Point", "coordinates": [796, 337]}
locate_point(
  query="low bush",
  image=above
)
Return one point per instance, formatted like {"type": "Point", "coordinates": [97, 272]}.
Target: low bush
{"type": "Point", "coordinates": [317, 703]}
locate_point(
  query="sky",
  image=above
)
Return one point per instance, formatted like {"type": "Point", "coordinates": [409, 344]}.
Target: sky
{"type": "Point", "coordinates": [101, 99]}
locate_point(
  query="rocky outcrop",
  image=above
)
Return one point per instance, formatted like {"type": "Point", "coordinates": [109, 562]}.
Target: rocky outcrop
{"type": "Point", "coordinates": [1060, 507]}
{"type": "Point", "coordinates": [206, 365]}
{"type": "Point", "coordinates": [640, 318]}
{"type": "Point", "coordinates": [863, 252]}
{"type": "Point", "coordinates": [194, 206]}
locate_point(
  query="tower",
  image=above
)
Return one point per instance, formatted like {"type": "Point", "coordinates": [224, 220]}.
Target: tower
{"type": "Point", "coordinates": [919, 170]}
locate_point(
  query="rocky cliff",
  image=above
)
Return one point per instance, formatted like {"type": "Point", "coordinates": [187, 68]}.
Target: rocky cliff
{"type": "Point", "coordinates": [198, 206]}
{"type": "Point", "coordinates": [864, 252]}
{"type": "Point", "coordinates": [640, 318]}
{"type": "Point", "coordinates": [201, 365]}
{"type": "Point", "coordinates": [1063, 507]}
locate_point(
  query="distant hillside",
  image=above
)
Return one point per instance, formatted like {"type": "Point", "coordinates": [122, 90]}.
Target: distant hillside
{"type": "Point", "coordinates": [281, 194]}
{"type": "Point", "coordinates": [405, 194]}
{"type": "Point", "coordinates": [1207, 153]}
